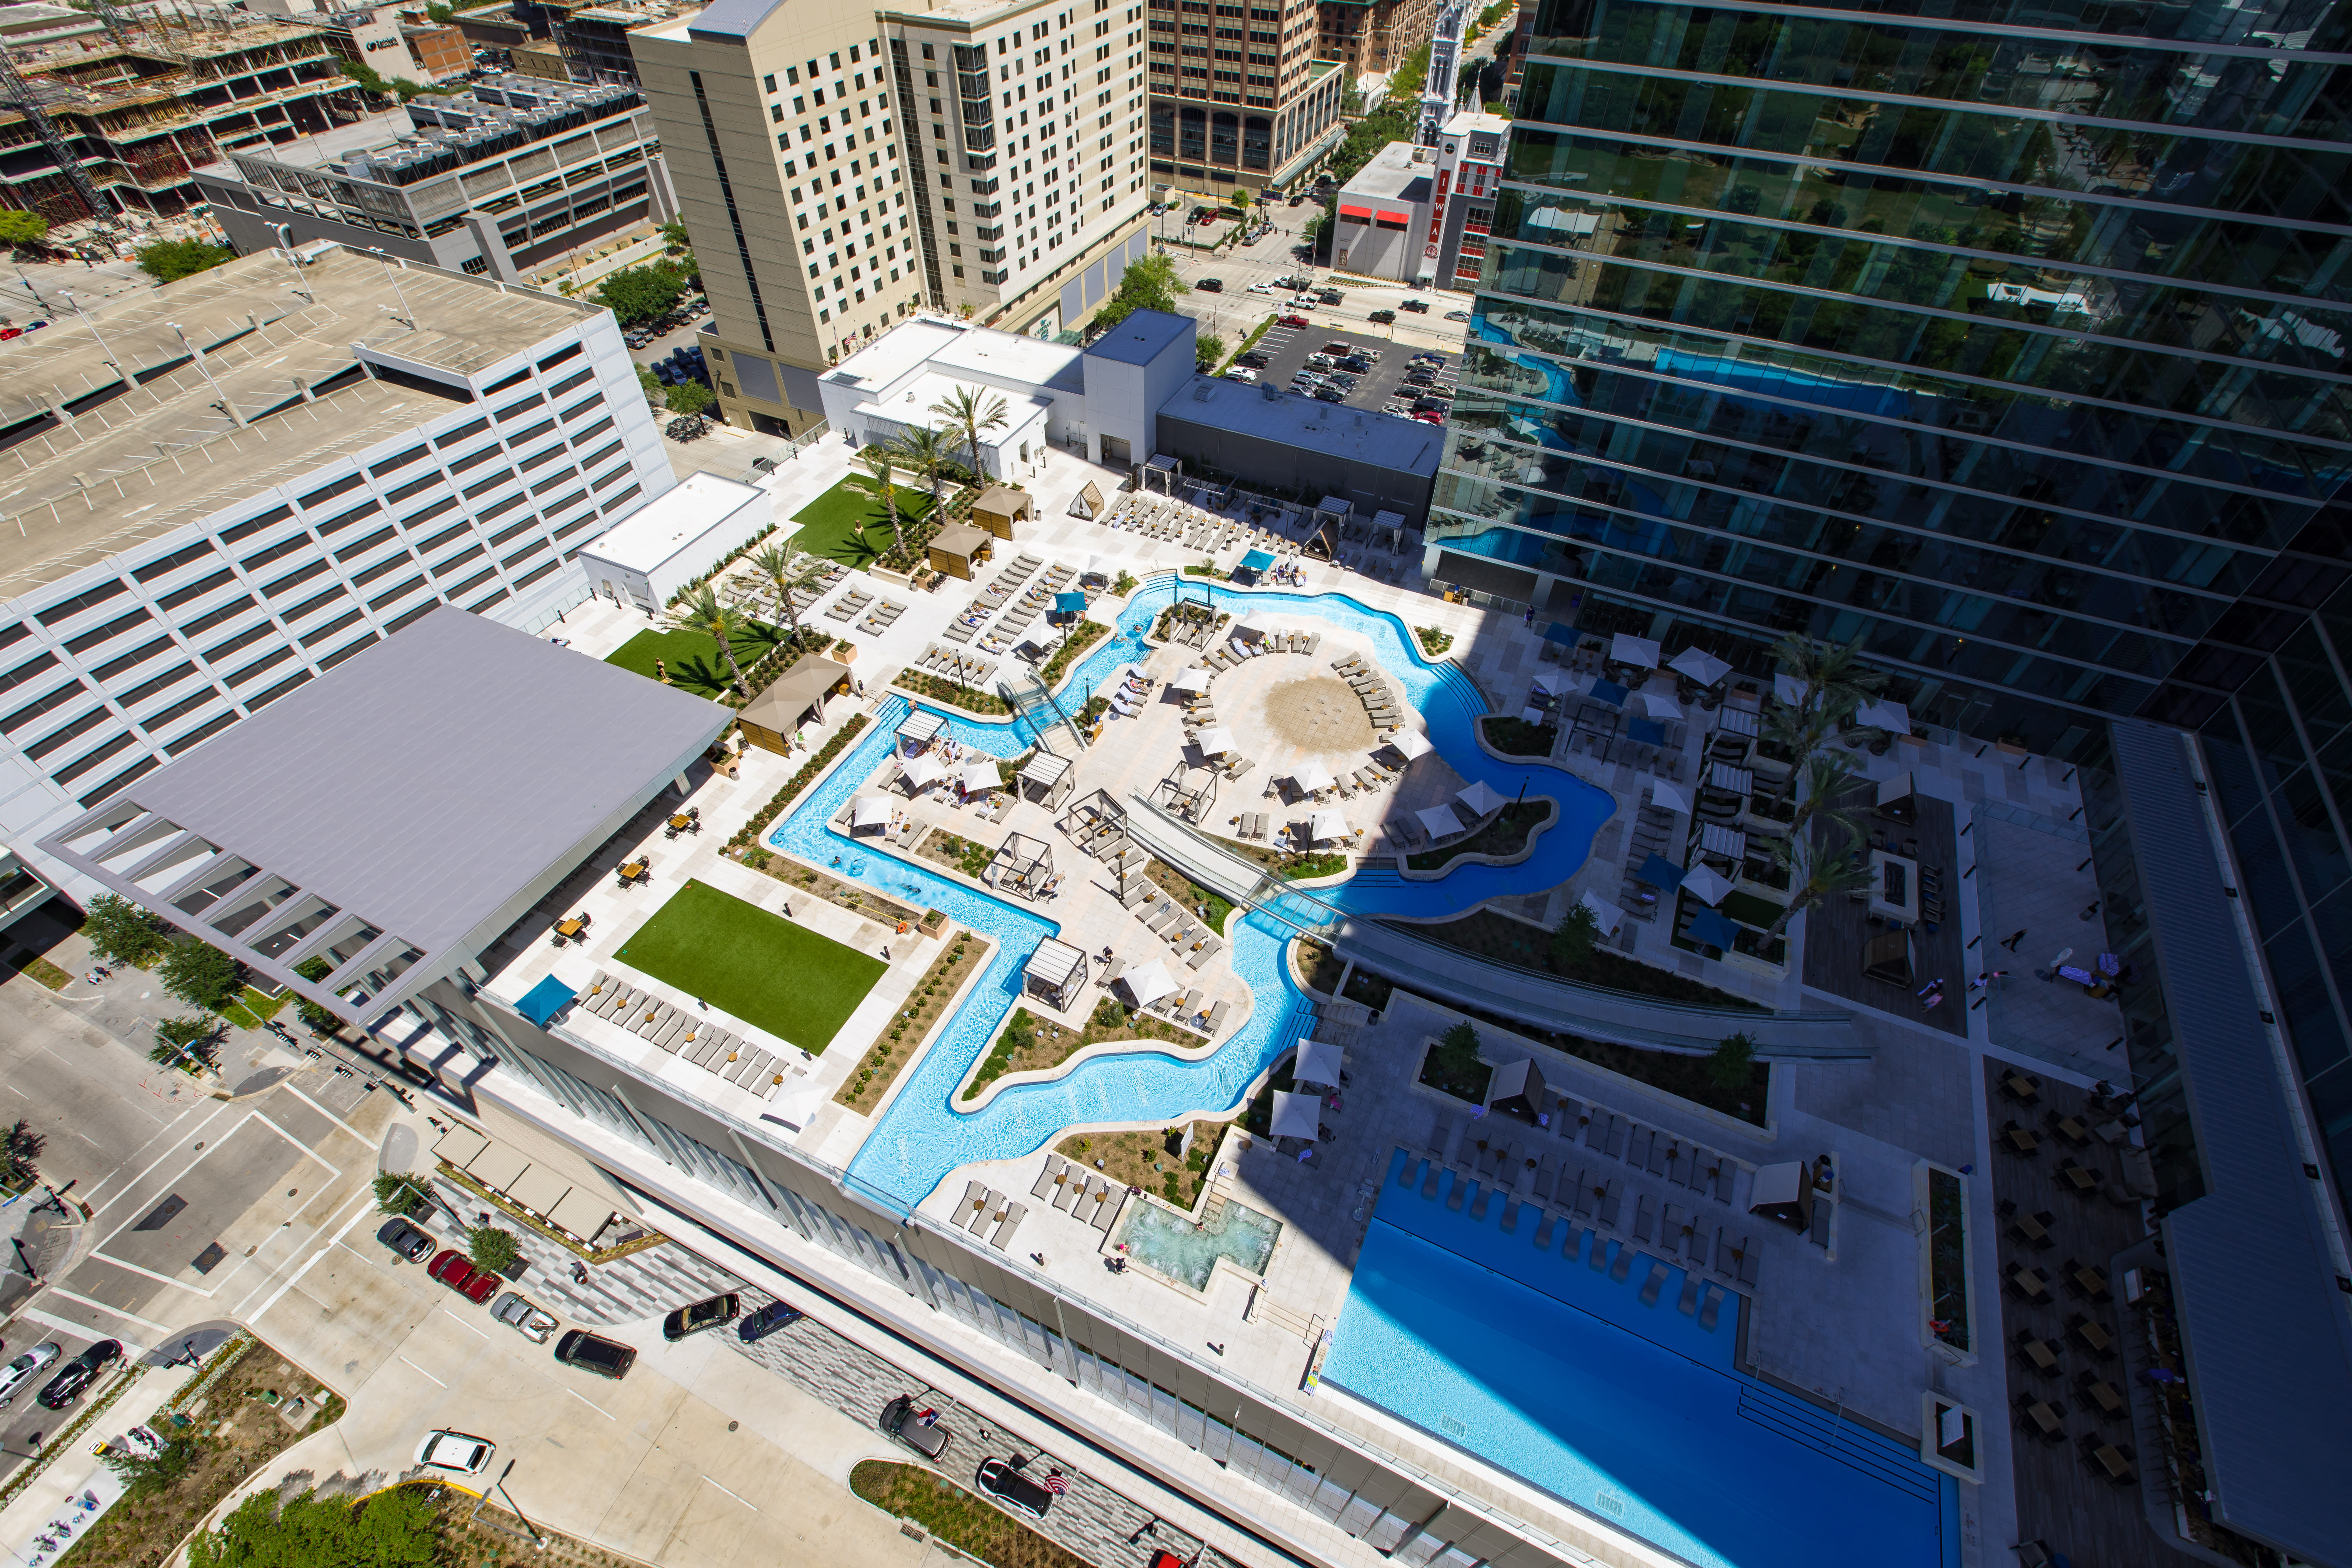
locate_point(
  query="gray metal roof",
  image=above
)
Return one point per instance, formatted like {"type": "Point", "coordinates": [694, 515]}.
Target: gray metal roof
{"type": "Point", "coordinates": [732, 18]}
{"type": "Point", "coordinates": [2268, 1337]}
{"type": "Point", "coordinates": [1138, 338]}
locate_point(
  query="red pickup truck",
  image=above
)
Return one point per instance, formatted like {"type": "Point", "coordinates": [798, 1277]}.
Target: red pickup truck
{"type": "Point", "coordinates": [453, 1270]}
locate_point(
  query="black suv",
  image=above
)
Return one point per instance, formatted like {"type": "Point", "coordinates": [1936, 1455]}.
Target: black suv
{"type": "Point", "coordinates": [585, 1351]}
{"type": "Point", "coordinates": [78, 1373]}
{"type": "Point", "coordinates": [405, 1241]}
{"type": "Point", "coordinates": [1008, 1486]}
{"type": "Point", "coordinates": [903, 1421]}
{"type": "Point", "coordinates": [1251, 360]}
{"type": "Point", "coordinates": [1210, 285]}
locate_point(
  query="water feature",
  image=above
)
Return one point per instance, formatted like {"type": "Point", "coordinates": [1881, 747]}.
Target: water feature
{"type": "Point", "coordinates": [1175, 1246]}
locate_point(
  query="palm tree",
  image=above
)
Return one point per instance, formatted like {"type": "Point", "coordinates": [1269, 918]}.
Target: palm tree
{"type": "Point", "coordinates": [974, 409]}
{"type": "Point", "coordinates": [1827, 776]}
{"type": "Point", "coordinates": [925, 451]}
{"type": "Point", "coordinates": [878, 465]}
{"type": "Point", "coordinates": [722, 624]}
{"type": "Point", "coordinates": [1830, 685]}
{"type": "Point", "coordinates": [1825, 872]}
{"type": "Point", "coordinates": [774, 563]}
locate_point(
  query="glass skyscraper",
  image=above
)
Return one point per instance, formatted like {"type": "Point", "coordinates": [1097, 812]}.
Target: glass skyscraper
{"type": "Point", "coordinates": [2008, 341]}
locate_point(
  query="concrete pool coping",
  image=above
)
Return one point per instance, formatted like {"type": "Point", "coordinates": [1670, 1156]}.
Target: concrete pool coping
{"type": "Point", "coordinates": [1478, 858]}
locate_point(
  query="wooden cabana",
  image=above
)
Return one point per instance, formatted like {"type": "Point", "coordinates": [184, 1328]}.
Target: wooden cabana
{"type": "Point", "coordinates": [794, 697]}
{"type": "Point", "coordinates": [957, 550]}
{"type": "Point", "coordinates": [1516, 1090]}
{"type": "Point", "coordinates": [1000, 507]}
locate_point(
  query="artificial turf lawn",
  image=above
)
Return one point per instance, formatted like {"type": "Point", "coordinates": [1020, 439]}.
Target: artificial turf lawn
{"type": "Point", "coordinates": [828, 525]}
{"type": "Point", "coordinates": [762, 968]}
{"type": "Point", "coordinates": [693, 658]}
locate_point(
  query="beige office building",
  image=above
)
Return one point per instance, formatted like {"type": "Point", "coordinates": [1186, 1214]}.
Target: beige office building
{"type": "Point", "coordinates": [839, 167]}
{"type": "Point", "coordinates": [1240, 95]}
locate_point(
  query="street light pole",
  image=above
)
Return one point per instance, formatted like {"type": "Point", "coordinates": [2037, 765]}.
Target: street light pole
{"type": "Point", "coordinates": [75, 306]}
{"type": "Point", "coordinates": [286, 242]}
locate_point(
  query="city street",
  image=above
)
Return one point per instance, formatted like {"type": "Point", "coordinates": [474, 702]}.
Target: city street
{"type": "Point", "coordinates": [1234, 312]}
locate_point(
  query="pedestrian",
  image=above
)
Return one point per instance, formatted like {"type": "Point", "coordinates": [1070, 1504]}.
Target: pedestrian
{"type": "Point", "coordinates": [1935, 984]}
{"type": "Point", "coordinates": [2010, 943]}
{"type": "Point", "coordinates": [483, 1218]}
{"type": "Point", "coordinates": [1038, 1259]}
{"type": "Point", "coordinates": [885, 952]}
{"type": "Point", "coordinates": [1987, 977]}
{"type": "Point", "coordinates": [701, 1004]}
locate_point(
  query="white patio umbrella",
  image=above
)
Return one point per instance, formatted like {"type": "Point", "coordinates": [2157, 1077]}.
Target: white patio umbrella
{"type": "Point", "coordinates": [1658, 706]}
{"type": "Point", "coordinates": [1879, 713]}
{"type": "Point", "coordinates": [1326, 825]}
{"type": "Point", "coordinates": [1699, 664]}
{"type": "Point", "coordinates": [1606, 916]}
{"type": "Point", "coordinates": [922, 772]}
{"type": "Point", "coordinates": [1480, 799]}
{"type": "Point", "coordinates": [1409, 743]}
{"type": "Point", "coordinates": [1098, 567]}
{"type": "Point", "coordinates": [1627, 648]}
{"type": "Point", "coordinates": [1253, 628]}
{"type": "Point", "coordinates": [1668, 797]}
{"type": "Point", "coordinates": [1294, 1115]}
{"type": "Point", "coordinates": [980, 775]}
{"type": "Point", "coordinates": [1311, 778]}
{"type": "Point", "coordinates": [1319, 1062]}
{"type": "Point", "coordinates": [1440, 821]}
{"type": "Point", "coordinates": [1703, 882]}
{"type": "Point", "coordinates": [1193, 679]}
{"type": "Point", "coordinates": [1535, 716]}
{"type": "Point", "coordinates": [1788, 689]}
{"type": "Point", "coordinates": [1215, 743]}
{"type": "Point", "coordinates": [1149, 983]}
{"type": "Point", "coordinates": [869, 811]}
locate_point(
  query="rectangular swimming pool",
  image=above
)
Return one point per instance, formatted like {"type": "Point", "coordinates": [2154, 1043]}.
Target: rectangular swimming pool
{"type": "Point", "coordinates": [1549, 1370]}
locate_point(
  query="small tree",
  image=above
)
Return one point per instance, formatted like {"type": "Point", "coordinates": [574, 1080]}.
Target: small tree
{"type": "Point", "coordinates": [774, 563]}
{"type": "Point", "coordinates": [1817, 870]}
{"type": "Point", "coordinates": [201, 975]}
{"type": "Point", "coordinates": [492, 1248]}
{"type": "Point", "coordinates": [188, 1044]}
{"type": "Point", "coordinates": [20, 227]}
{"type": "Point", "coordinates": [690, 397]}
{"type": "Point", "coordinates": [1457, 1051]}
{"type": "Point", "coordinates": [1731, 1061]}
{"type": "Point", "coordinates": [673, 234]}
{"type": "Point", "coordinates": [169, 260]}
{"type": "Point", "coordinates": [722, 624]}
{"type": "Point", "coordinates": [124, 931]}
{"type": "Point", "coordinates": [879, 469]}
{"type": "Point", "coordinates": [394, 1529]}
{"type": "Point", "coordinates": [1572, 938]}
{"type": "Point", "coordinates": [19, 1149]}
{"type": "Point", "coordinates": [317, 1019]}
{"type": "Point", "coordinates": [1208, 349]}
{"type": "Point", "coordinates": [974, 409]}
{"type": "Point", "coordinates": [1240, 200]}
{"type": "Point", "coordinates": [650, 384]}
{"type": "Point", "coordinates": [636, 295]}
{"type": "Point", "coordinates": [142, 1475]}
{"type": "Point", "coordinates": [400, 1191]}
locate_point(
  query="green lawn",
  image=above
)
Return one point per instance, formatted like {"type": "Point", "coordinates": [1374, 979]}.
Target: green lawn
{"type": "Point", "coordinates": [828, 524]}
{"type": "Point", "coordinates": [693, 659]}
{"type": "Point", "coordinates": [763, 969]}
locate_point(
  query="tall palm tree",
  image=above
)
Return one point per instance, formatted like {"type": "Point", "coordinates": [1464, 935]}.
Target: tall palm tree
{"type": "Point", "coordinates": [1827, 776]}
{"type": "Point", "coordinates": [1825, 872]}
{"type": "Point", "coordinates": [774, 563]}
{"type": "Point", "coordinates": [877, 463]}
{"type": "Point", "coordinates": [722, 624]}
{"type": "Point", "coordinates": [925, 451]}
{"type": "Point", "coordinates": [1830, 684]}
{"type": "Point", "coordinates": [974, 409]}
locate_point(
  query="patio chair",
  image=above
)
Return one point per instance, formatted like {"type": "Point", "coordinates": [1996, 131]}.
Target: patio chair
{"type": "Point", "coordinates": [1217, 1016]}
{"type": "Point", "coordinates": [1645, 1220]}
{"type": "Point", "coordinates": [1006, 1224]}
{"type": "Point", "coordinates": [1623, 1267]}
{"type": "Point", "coordinates": [1655, 1283]}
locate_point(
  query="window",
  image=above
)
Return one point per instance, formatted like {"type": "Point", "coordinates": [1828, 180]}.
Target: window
{"type": "Point", "coordinates": [329, 492]}
{"type": "Point", "coordinates": [109, 631]}
{"type": "Point", "coordinates": [169, 564]}
{"type": "Point", "coordinates": [501, 384]}
{"type": "Point", "coordinates": [393, 465]}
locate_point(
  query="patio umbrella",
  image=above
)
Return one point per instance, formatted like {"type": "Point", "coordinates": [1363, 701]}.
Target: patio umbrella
{"type": "Point", "coordinates": [1440, 821]}
{"type": "Point", "coordinates": [1881, 714]}
{"type": "Point", "coordinates": [1699, 664]}
{"type": "Point", "coordinates": [1660, 872]}
{"type": "Point", "coordinates": [1070, 604]}
{"type": "Point", "coordinates": [1408, 743]}
{"type": "Point", "coordinates": [1535, 716]}
{"type": "Point", "coordinates": [1627, 648]}
{"type": "Point", "coordinates": [1193, 679]}
{"type": "Point", "coordinates": [1790, 690]}
{"type": "Point", "coordinates": [869, 811]}
{"type": "Point", "coordinates": [1658, 706]}
{"type": "Point", "coordinates": [1713, 930]}
{"type": "Point", "coordinates": [1098, 567]}
{"type": "Point", "coordinates": [1319, 1062]}
{"type": "Point", "coordinates": [1149, 983]}
{"type": "Point", "coordinates": [1311, 778]}
{"type": "Point", "coordinates": [1605, 915]}
{"type": "Point", "coordinates": [1668, 797]}
{"type": "Point", "coordinates": [1294, 1115]}
{"type": "Point", "coordinates": [1255, 560]}
{"type": "Point", "coordinates": [922, 772]}
{"type": "Point", "coordinates": [1326, 825]}
{"type": "Point", "coordinates": [1706, 884]}
{"type": "Point", "coordinates": [980, 775]}
{"type": "Point", "coordinates": [1215, 743]}
{"type": "Point", "coordinates": [1252, 629]}
{"type": "Point", "coordinates": [1480, 799]}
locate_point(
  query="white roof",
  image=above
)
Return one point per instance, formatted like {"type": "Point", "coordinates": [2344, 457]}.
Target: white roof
{"type": "Point", "coordinates": [1294, 1115]}
{"type": "Point", "coordinates": [1440, 820]}
{"type": "Point", "coordinates": [1149, 983]}
{"type": "Point", "coordinates": [1055, 962]}
{"type": "Point", "coordinates": [1480, 799]}
{"type": "Point", "coordinates": [922, 772]}
{"type": "Point", "coordinates": [1311, 777]}
{"type": "Point", "coordinates": [649, 537]}
{"type": "Point", "coordinates": [1699, 664]}
{"type": "Point", "coordinates": [1007, 359]}
{"type": "Point", "coordinates": [1215, 742]}
{"type": "Point", "coordinates": [1045, 767]}
{"type": "Point", "coordinates": [909, 402]}
{"type": "Point", "coordinates": [1605, 915]}
{"type": "Point", "coordinates": [1193, 679]}
{"type": "Point", "coordinates": [1882, 714]}
{"type": "Point", "coordinates": [1627, 648]}
{"type": "Point", "coordinates": [1328, 825]}
{"type": "Point", "coordinates": [1668, 797]}
{"type": "Point", "coordinates": [869, 811]}
{"type": "Point", "coordinates": [1704, 884]}
{"type": "Point", "coordinates": [1411, 743]}
{"type": "Point", "coordinates": [1891, 790]}
{"type": "Point", "coordinates": [1319, 1062]}
{"type": "Point", "coordinates": [1340, 504]}
{"type": "Point", "coordinates": [1252, 628]}
{"type": "Point", "coordinates": [979, 773]}
{"type": "Point", "coordinates": [1788, 689]}
{"type": "Point", "coordinates": [796, 1104]}
{"type": "Point", "coordinates": [920, 725]}
{"type": "Point", "coordinates": [1658, 706]}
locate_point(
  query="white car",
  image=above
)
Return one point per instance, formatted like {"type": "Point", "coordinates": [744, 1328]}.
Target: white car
{"type": "Point", "coordinates": [524, 1318]}
{"type": "Point", "coordinates": [1243, 374]}
{"type": "Point", "coordinates": [25, 1368]}
{"type": "Point", "coordinates": [1261, 288]}
{"type": "Point", "coordinates": [456, 1452]}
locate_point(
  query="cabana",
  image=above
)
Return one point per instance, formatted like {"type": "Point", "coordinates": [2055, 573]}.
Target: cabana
{"type": "Point", "coordinates": [921, 773]}
{"type": "Point", "coordinates": [1325, 827]}
{"type": "Point", "coordinates": [1191, 802]}
{"type": "Point", "coordinates": [917, 730]}
{"type": "Point", "coordinates": [1253, 628]}
{"type": "Point", "coordinates": [869, 811]}
{"type": "Point", "coordinates": [1887, 956]}
{"type": "Point", "coordinates": [1439, 822]}
{"type": "Point", "coordinates": [1054, 971]}
{"type": "Point", "coordinates": [1020, 865]}
{"type": "Point", "coordinates": [978, 776]}
{"type": "Point", "coordinates": [1311, 779]}
{"type": "Point", "coordinates": [1895, 799]}
{"type": "Point", "coordinates": [959, 549]}
{"type": "Point", "coordinates": [1147, 983]}
{"type": "Point", "coordinates": [1481, 800]}
{"type": "Point", "coordinates": [1000, 507]}
{"type": "Point", "coordinates": [1516, 1089]}
{"type": "Point", "coordinates": [1703, 884]}
{"type": "Point", "coordinates": [1407, 744]}
{"type": "Point", "coordinates": [1701, 666]}
{"type": "Point", "coordinates": [1087, 503]}
{"type": "Point", "coordinates": [1319, 1062]}
{"type": "Point", "coordinates": [1295, 1116]}
{"type": "Point", "coordinates": [1045, 778]}
{"type": "Point", "coordinates": [797, 696]}
{"type": "Point", "coordinates": [1784, 1193]}
{"type": "Point", "coordinates": [1627, 648]}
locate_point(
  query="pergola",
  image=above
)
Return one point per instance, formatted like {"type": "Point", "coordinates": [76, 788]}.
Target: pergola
{"type": "Point", "coordinates": [1054, 970]}
{"type": "Point", "coordinates": [1189, 801]}
{"type": "Point", "coordinates": [1020, 865]}
{"type": "Point", "coordinates": [1045, 778]}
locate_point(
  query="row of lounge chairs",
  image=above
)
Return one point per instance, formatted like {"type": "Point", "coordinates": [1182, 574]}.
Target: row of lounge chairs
{"type": "Point", "coordinates": [849, 604]}
{"type": "Point", "coordinates": [984, 1209]}
{"type": "Point", "coordinates": [1653, 835]}
{"type": "Point", "coordinates": [1372, 688]}
{"type": "Point", "coordinates": [884, 614]}
{"type": "Point", "coordinates": [691, 1036]}
{"type": "Point", "coordinates": [1252, 825]}
{"type": "Point", "coordinates": [1078, 1191]}
{"type": "Point", "coordinates": [970, 671]}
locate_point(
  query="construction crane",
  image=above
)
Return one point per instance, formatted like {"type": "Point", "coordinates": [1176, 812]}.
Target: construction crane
{"type": "Point", "coordinates": [18, 92]}
{"type": "Point", "coordinates": [1445, 60]}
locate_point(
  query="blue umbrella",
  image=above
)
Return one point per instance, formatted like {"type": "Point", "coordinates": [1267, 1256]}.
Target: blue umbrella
{"type": "Point", "coordinates": [1560, 633]}
{"type": "Point", "coordinates": [1256, 561]}
{"type": "Point", "coordinates": [1713, 928]}
{"type": "Point", "coordinates": [1608, 691]}
{"type": "Point", "coordinates": [1073, 604]}
{"type": "Point", "coordinates": [1660, 872]}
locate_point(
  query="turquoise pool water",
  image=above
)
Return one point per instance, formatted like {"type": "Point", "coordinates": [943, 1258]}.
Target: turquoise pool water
{"type": "Point", "coordinates": [921, 1136]}
{"type": "Point", "coordinates": [1168, 1242]}
{"type": "Point", "coordinates": [1551, 1370]}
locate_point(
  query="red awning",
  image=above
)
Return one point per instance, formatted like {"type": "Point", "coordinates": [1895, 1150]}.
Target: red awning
{"type": "Point", "coordinates": [1387, 216]}
{"type": "Point", "coordinates": [1364, 213]}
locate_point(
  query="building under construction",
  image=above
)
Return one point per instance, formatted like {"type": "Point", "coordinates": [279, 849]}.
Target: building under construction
{"type": "Point", "coordinates": [115, 120]}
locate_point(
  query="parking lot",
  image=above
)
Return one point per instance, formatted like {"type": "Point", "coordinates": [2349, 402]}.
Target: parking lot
{"type": "Point", "coordinates": [1286, 350]}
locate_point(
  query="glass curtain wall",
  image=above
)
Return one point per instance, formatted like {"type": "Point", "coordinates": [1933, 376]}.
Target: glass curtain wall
{"type": "Point", "coordinates": [2007, 343]}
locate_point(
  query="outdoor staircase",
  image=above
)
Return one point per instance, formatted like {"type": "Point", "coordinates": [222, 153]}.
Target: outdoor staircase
{"type": "Point", "coordinates": [1032, 702]}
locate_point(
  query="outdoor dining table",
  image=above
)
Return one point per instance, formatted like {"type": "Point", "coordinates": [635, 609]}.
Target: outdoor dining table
{"type": "Point", "coordinates": [635, 871]}
{"type": "Point", "coordinates": [2029, 1229]}
{"type": "Point", "coordinates": [2074, 1132]}
{"type": "Point", "coordinates": [2022, 1140]}
{"type": "Point", "coordinates": [2111, 1459]}
{"type": "Point", "coordinates": [571, 928]}
{"type": "Point", "coordinates": [2040, 1353]}
{"type": "Point", "coordinates": [2103, 1395]}
{"type": "Point", "coordinates": [2020, 1088]}
{"type": "Point", "coordinates": [2044, 1416]}
{"type": "Point", "coordinates": [2094, 1282]}
{"type": "Point", "coordinates": [682, 821]}
{"type": "Point", "coordinates": [2030, 1283]}
{"type": "Point", "coordinates": [2081, 1178]}
{"type": "Point", "coordinates": [2095, 1336]}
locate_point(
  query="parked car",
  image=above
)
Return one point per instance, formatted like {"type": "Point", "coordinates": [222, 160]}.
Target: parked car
{"type": "Point", "coordinates": [1008, 1486]}
{"type": "Point", "coordinates": [1330, 296]}
{"type": "Point", "coordinates": [1293, 319]}
{"type": "Point", "coordinates": [453, 1270]}
{"type": "Point", "coordinates": [692, 1319]}
{"type": "Point", "coordinates": [1320, 362]}
{"type": "Point", "coordinates": [1209, 285]}
{"type": "Point", "coordinates": [767, 1319]}
{"type": "Point", "coordinates": [26, 1367]}
{"type": "Point", "coordinates": [900, 1420]}
{"type": "Point", "coordinates": [456, 1452]}
{"type": "Point", "coordinates": [79, 1374]}
{"type": "Point", "coordinates": [1251, 360]}
{"type": "Point", "coordinates": [1418, 306]}
{"type": "Point", "coordinates": [1330, 394]}
{"type": "Point", "coordinates": [1261, 286]}
{"type": "Point", "coordinates": [404, 1239]}
{"type": "Point", "coordinates": [531, 1322]}
{"type": "Point", "coordinates": [1457, 315]}
{"type": "Point", "coordinates": [583, 1349]}
{"type": "Point", "coordinates": [1430, 418]}
{"type": "Point", "coordinates": [1356, 364]}
{"type": "Point", "coordinates": [1383, 317]}
{"type": "Point", "coordinates": [1424, 405]}
{"type": "Point", "coordinates": [1241, 373]}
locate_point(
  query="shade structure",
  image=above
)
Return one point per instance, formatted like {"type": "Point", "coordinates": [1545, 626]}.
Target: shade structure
{"type": "Point", "coordinates": [978, 774]}
{"type": "Point", "coordinates": [869, 811]}
{"type": "Point", "coordinates": [1891, 790]}
{"type": "Point", "coordinates": [1668, 797]}
{"type": "Point", "coordinates": [1193, 679]}
{"type": "Point", "coordinates": [922, 772]}
{"type": "Point", "coordinates": [1070, 604]}
{"type": "Point", "coordinates": [1440, 821]}
{"type": "Point", "coordinates": [1311, 777]}
{"type": "Point", "coordinates": [1660, 872]}
{"type": "Point", "coordinates": [1516, 1089]}
{"type": "Point", "coordinates": [1319, 1062]}
{"type": "Point", "coordinates": [1149, 983]}
{"type": "Point", "coordinates": [1658, 706]}
{"type": "Point", "coordinates": [1712, 929]}
{"type": "Point", "coordinates": [1408, 743]}
{"type": "Point", "coordinates": [1627, 648]}
{"type": "Point", "coordinates": [1788, 689]}
{"type": "Point", "coordinates": [1703, 883]}
{"type": "Point", "coordinates": [1255, 560]}
{"type": "Point", "coordinates": [545, 1000]}
{"type": "Point", "coordinates": [1727, 842]}
{"type": "Point", "coordinates": [1881, 714]}
{"type": "Point", "coordinates": [1294, 1115]}
{"type": "Point", "coordinates": [1326, 825]}
{"type": "Point", "coordinates": [1054, 967]}
{"type": "Point", "coordinates": [1649, 732]}
{"type": "Point", "coordinates": [1560, 633]}
{"type": "Point", "coordinates": [1608, 691]}
{"type": "Point", "coordinates": [796, 1104]}
{"type": "Point", "coordinates": [1098, 567]}
{"type": "Point", "coordinates": [1480, 799]}
{"type": "Point", "coordinates": [1534, 716]}
{"type": "Point", "coordinates": [918, 728]}
{"type": "Point", "coordinates": [1253, 628]}
{"type": "Point", "coordinates": [1215, 743]}
{"type": "Point", "coordinates": [1606, 916]}
{"type": "Point", "coordinates": [1699, 664]}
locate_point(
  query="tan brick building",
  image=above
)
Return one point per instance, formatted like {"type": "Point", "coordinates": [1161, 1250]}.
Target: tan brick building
{"type": "Point", "coordinates": [1240, 94]}
{"type": "Point", "coordinates": [1372, 38]}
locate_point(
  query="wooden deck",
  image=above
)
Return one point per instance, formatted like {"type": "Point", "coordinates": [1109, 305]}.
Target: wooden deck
{"type": "Point", "coordinates": [1837, 928]}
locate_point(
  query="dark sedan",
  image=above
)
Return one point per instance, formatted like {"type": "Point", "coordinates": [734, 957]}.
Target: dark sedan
{"type": "Point", "coordinates": [589, 1353]}
{"type": "Point", "coordinates": [711, 1314]}
{"type": "Point", "coordinates": [760, 1324]}
{"type": "Point", "coordinates": [405, 1239]}
{"type": "Point", "coordinates": [79, 1374]}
